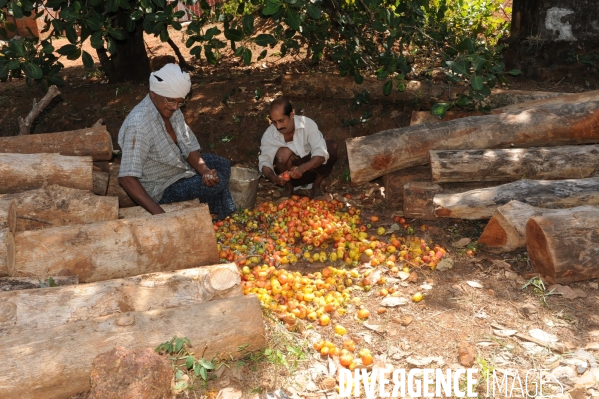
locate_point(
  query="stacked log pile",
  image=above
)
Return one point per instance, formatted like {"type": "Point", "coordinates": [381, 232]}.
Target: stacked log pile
{"type": "Point", "coordinates": [81, 266]}
{"type": "Point", "coordinates": [531, 168]}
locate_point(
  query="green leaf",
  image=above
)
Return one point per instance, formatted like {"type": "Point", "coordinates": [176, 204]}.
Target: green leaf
{"type": "Point", "coordinates": [88, 61]}
{"type": "Point", "coordinates": [17, 12]}
{"type": "Point", "coordinates": [10, 26]}
{"type": "Point", "coordinates": [130, 25]}
{"type": "Point", "coordinates": [135, 15]}
{"type": "Point", "coordinates": [110, 46]}
{"type": "Point", "coordinates": [248, 24]}
{"type": "Point", "coordinates": [196, 369]}
{"type": "Point", "coordinates": [478, 63]}
{"type": "Point", "coordinates": [314, 11]}
{"type": "Point", "coordinates": [51, 282]}
{"type": "Point", "coordinates": [13, 64]}
{"type": "Point", "coordinates": [358, 78]}
{"type": "Point", "coordinates": [97, 40]}
{"type": "Point", "coordinates": [379, 26]}
{"type": "Point", "coordinates": [196, 51]}
{"type": "Point", "coordinates": [71, 34]}
{"type": "Point", "coordinates": [272, 7]}
{"type": "Point", "coordinates": [32, 71]}
{"type": "Point", "coordinates": [178, 345]}
{"type": "Point", "coordinates": [159, 3]}
{"type": "Point", "coordinates": [485, 91]}
{"type": "Point", "coordinates": [164, 36]}
{"type": "Point", "coordinates": [264, 39]}
{"type": "Point", "coordinates": [234, 35]}
{"type": "Point", "coordinates": [2, 3]}
{"type": "Point", "coordinates": [48, 49]}
{"type": "Point", "coordinates": [210, 57]}
{"type": "Point", "coordinates": [204, 373]}
{"type": "Point", "coordinates": [463, 102]}
{"type": "Point", "coordinates": [67, 49]}
{"type": "Point", "coordinates": [189, 362]}
{"type": "Point", "coordinates": [476, 82]}
{"type": "Point", "coordinates": [17, 46]}
{"type": "Point", "coordinates": [75, 55]}
{"type": "Point", "coordinates": [247, 56]}
{"type": "Point", "coordinates": [387, 87]}
{"type": "Point", "coordinates": [293, 19]}
{"type": "Point", "coordinates": [117, 34]}
{"type": "Point", "coordinates": [3, 33]}
{"type": "Point", "coordinates": [458, 67]}
{"type": "Point", "coordinates": [440, 109]}
{"type": "Point", "coordinates": [3, 71]}
{"type": "Point", "coordinates": [206, 364]}
{"type": "Point", "coordinates": [515, 72]}
{"type": "Point", "coordinates": [262, 55]}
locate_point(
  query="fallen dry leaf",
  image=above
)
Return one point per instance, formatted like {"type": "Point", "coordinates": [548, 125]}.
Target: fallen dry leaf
{"type": "Point", "coordinates": [461, 243]}
{"type": "Point", "coordinates": [466, 354]}
{"type": "Point", "coordinates": [474, 284]}
{"type": "Point", "coordinates": [504, 333]}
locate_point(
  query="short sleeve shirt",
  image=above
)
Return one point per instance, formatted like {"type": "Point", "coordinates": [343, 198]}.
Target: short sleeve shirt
{"type": "Point", "coordinates": [307, 139]}
{"type": "Point", "coordinates": [150, 154]}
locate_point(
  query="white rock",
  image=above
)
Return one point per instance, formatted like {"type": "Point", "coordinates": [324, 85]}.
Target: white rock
{"type": "Point", "coordinates": [393, 301]}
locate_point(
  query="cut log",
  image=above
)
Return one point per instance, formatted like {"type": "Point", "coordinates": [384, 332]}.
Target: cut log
{"type": "Point", "coordinates": [94, 142]}
{"type": "Point", "coordinates": [376, 155]}
{"type": "Point", "coordinates": [540, 163]}
{"type": "Point", "coordinates": [63, 355]}
{"type": "Point", "coordinates": [28, 283]}
{"type": "Point", "coordinates": [480, 204]}
{"type": "Point", "coordinates": [103, 298]}
{"type": "Point", "coordinates": [422, 117]}
{"type": "Point", "coordinates": [563, 247]}
{"type": "Point", "coordinates": [561, 99]}
{"type": "Point", "coordinates": [21, 172]}
{"type": "Point", "coordinates": [54, 206]}
{"type": "Point", "coordinates": [394, 184]}
{"type": "Point", "coordinates": [418, 200]}
{"type": "Point", "coordinates": [7, 252]}
{"type": "Point", "coordinates": [324, 85]}
{"type": "Point", "coordinates": [8, 214]}
{"type": "Point", "coordinates": [115, 189]}
{"type": "Point", "coordinates": [138, 211]}
{"type": "Point", "coordinates": [100, 180]}
{"type": "Point", "coordinates": [120, 248]}
{"type": "Point", "coordinates": [506, 231]}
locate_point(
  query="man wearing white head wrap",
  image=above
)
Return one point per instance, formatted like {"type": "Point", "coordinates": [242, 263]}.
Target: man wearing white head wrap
{"type": "Point", "coordinates": [161, 161]}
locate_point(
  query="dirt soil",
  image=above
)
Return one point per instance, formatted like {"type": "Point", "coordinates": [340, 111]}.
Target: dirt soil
{"type": "Point", "coordinates": [228, 111]}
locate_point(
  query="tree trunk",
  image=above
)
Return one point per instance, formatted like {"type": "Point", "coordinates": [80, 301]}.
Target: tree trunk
{"type": "Point", "coordinates": [54, 206]}
{"type": "Point", "coordinates": [481, 204]}
{"type": "Point", "coordinates": [8, 214]}
{"type": "Point", "coordinates": [104, 298]}
{"type": "Point", "coordinates": [563, 248]}
{"type": "Point", "coordinates": [21, 172]}
{"type": "Point", "coordinates": [115, 189]}
{"type": "Point", "coordinates": [120, 248]}
{"type": "Point", "coordinates": [138, 211]}
{"type": "Point", "coordinates": [130, 63]}
{"type": "Point", "coordinates": [7, 252]}
{"type": "Point", "coordinates": [28, 283]}
{"type": "Point", "coordinates": [506, 231]}
{"type": "Point", "coordinates": [542, 163]}
{"type": "Point", "coordinates": [325, 85]}
{"type": "Point", "coordinates": [376, 155]}
{"type": "Point", "coordinates": [94, 142]}
{"type": "Point", "coordinates": [561, 99]}
{"type": "Point", "coordinates": [63, 355]}
{"type": "Point", "coordinates": [394, 184]}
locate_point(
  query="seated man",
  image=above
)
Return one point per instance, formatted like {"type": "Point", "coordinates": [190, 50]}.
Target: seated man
{"type": "Point", "coordinates": [161, 160]}
{"type": "Point", "coordinates": [293, 151]}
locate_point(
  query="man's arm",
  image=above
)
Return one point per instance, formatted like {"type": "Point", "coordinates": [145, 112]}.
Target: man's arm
{"type": "Point", "coordinates": [297, 171]}
{"type": "Point", "coordinates": [138, 193]}
{"type": "Point", "coordinates": [209, 176]}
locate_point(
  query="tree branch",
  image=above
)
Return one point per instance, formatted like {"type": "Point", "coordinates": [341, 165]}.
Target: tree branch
{"type": "Point", "coordinates": [182, 63]}
{"type": "Point", "coordinates": [25, 124]}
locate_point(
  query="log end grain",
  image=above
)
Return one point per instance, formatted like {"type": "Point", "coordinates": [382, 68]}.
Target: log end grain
{"type": "Point", "coordinates": [539, 250]}
{"type": "Point", "coordinates": [7, 253]}
{"type": "Point", "coordinates": [493, 235]}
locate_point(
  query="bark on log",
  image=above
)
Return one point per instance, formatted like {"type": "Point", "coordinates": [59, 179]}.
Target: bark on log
{"type": "Point", "coordinates": [103, 298]}
{"type": "Point", "coordinates": [100, 180]}
{"type": "Point", "coordinates": [8, 214]}
{"type": "Point", "coordinates": [54, 206]}
{"type": "Point", "coordinates": [418, 200]}
{"type": "Point", "coordinates": [63, 355]}
{"type": "Point", "coordinates": [25, 124]}
{"type": "Point", "coordinates": [138, 211]}
{"type": "Point", "coordinates": [115, 189]}
{"type": "Point", "coordinates": [94, 142]}
{"type": "Point", "coordinates": [540, 163]}
{"type": "Point", "coordinates": [422, 117]}
{"type": "Point", "coordinates": [21, 172]}
{"type": "Point", "coordinates": [563, 247]}
{"type": "Point", "coordinates": [561, 99]}
{"type": "Point", "coordinates": [120, 248]}
{"type": "Point", "coordinates": [394, 184]}
{"type": "Point", "coordinates": [506, 231]}
{"type": "Point", "coordinates": [376, 155]}
{"type": "Point", "coordinates": [7, 252]}
{"type": "Point", "coordinates": [481, 204]}
{"type": "Point", "coordinates": [324, 85]}
{"type": "Point", "coordinates": [28, 283]}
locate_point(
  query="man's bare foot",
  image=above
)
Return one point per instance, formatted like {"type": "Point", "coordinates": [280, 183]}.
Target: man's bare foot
{"type": "Point", "coordinates": [288, 191]}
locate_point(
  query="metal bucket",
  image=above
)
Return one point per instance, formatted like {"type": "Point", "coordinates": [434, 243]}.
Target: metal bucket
{"type": "Point", "coordinates": [244, 186]}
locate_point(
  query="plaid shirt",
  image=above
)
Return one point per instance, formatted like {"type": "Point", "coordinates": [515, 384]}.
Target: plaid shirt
{"type": "Point", "coordinates": [150, 154]}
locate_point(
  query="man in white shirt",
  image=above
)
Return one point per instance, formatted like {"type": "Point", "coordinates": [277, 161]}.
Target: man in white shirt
{"type": "Point", "coordinates": [294, 152]}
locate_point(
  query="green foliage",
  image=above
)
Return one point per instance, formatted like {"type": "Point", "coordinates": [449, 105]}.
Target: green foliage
{"type": "Point", "coordinates": [31, 59]}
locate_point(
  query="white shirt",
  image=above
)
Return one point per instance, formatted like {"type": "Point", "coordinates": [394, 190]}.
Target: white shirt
{"type": "Point", "coordinates": [307, 139]}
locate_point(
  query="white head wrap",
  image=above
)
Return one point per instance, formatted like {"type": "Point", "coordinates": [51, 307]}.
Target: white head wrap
{"type": "Point", "coordinates": [170, 81]}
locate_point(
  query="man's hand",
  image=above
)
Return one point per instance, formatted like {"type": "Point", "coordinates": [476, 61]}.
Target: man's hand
{"type": "Point", "coordinates": [296, 172]}
{"type": "Point", "coordinates": [281, 179]}
{"type": "Point", "coordinates": [210, 178]}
